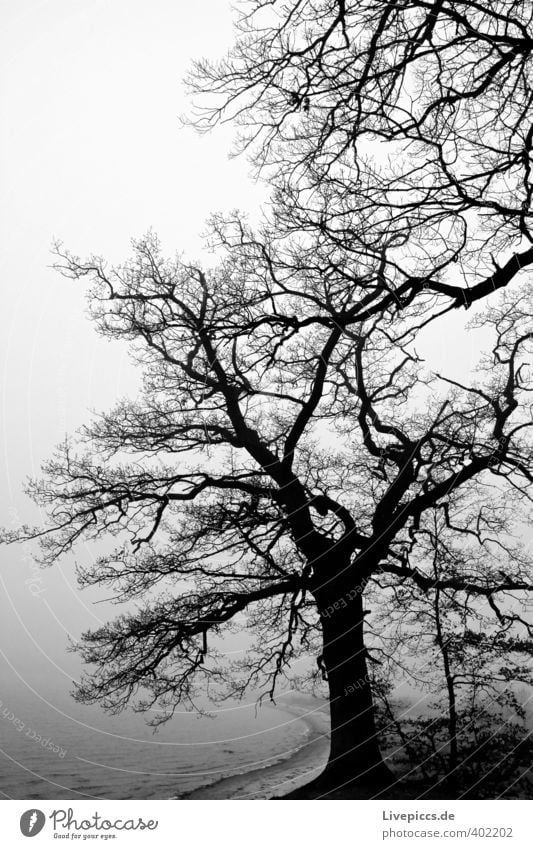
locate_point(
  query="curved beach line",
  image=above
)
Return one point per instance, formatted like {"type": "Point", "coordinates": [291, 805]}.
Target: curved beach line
{"type": "Point", "coordinates": [298, 766]}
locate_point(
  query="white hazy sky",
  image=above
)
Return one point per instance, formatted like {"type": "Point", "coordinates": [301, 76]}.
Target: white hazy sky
{"type": "Point", "coordinates": [92, 153]}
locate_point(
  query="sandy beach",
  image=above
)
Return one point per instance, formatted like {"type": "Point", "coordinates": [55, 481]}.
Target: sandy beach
{"type": "Point", "coordinates": [302, 765]}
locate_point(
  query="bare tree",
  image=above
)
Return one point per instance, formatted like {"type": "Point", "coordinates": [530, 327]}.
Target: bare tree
{"type": "Point", "coordinates": [274, 472]}
{"type": "Point", "coordinates": [398, 134]}
{"type": "Point", "coordinates": [288, 445]}
{"type": "Point", "coordinates": [469, 665]}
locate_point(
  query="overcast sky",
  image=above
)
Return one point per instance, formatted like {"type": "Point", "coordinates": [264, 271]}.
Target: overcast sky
{"type": "Point", "coordinates": [92, 153]}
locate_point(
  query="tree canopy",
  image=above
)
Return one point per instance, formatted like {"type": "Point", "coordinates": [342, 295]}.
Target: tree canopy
{"type": "Point", "coordinates": [290, 451]}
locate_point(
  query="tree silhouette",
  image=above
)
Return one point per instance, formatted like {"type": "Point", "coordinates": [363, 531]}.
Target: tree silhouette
{"type": "Point", "coordinates": [468, 734]}
{"type": "Point", "coordinates": [410, 168]}
{"type": "Point", "coordinates": [289, 449]}
{"type": "Point", "coordinates": [277, 472]}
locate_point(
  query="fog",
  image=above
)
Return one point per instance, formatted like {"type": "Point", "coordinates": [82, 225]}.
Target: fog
{"type": "Point", "coordinates": [92, 153]}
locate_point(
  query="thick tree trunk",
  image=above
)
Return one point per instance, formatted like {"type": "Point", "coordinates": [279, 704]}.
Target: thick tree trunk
{"type": "Point", "coordinates": [355, 755]}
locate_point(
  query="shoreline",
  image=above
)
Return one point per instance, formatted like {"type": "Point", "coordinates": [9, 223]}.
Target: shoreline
{"type": "Point", "coordinates": [305, 763]}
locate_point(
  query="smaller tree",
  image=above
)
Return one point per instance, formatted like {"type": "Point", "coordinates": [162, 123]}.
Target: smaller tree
{"type": "Point", "coordinates": [469, 658]}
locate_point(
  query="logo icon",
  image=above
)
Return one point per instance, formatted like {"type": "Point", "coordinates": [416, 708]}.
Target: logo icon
{"type": "Point", "coordinates": [32, 822]}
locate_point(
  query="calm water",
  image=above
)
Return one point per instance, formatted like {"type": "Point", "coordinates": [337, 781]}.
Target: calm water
{"type": "Point", "coordinates": [53, 748]}
{"type": "Point", "coordinates": [71, 751]}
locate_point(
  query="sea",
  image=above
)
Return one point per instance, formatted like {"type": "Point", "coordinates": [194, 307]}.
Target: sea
{"type": "Point", "coordinates": [51, 747]}
{"type": "Point", "coordinates": [58, 749]}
